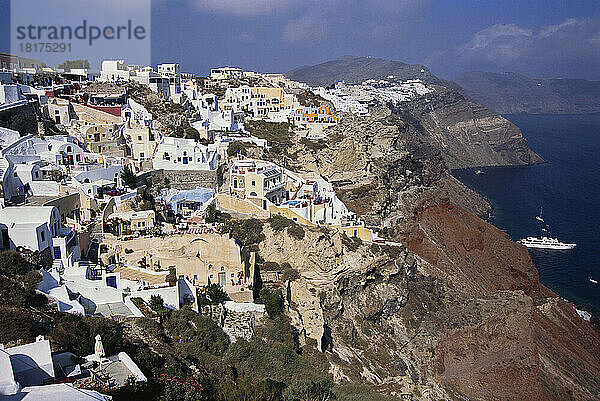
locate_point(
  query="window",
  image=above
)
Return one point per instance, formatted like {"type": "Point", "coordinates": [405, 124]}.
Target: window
{"type": "Point", "coordinates": [253, 183]}
{"type": "Point", "coordinates": [142, 155]}
{"type": "Point", "coordinates": [139, 137]}
{"type": "Point", "coordinates": [78, 158]}
{"type": "Point", "coordinates": [69, 149]}
{"type": "Point", "coordinates": [43, 236]}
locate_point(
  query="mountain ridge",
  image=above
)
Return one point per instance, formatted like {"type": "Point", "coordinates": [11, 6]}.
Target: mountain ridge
{"type": "Point", "coordinates": [513, 93]}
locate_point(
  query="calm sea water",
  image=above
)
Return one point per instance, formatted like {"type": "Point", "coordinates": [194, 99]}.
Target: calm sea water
{"type": "Point", "coordinates": [567, 188]}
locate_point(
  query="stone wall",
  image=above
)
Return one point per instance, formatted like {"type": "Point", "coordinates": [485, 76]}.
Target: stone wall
{"type": "Point", "coordinates": [181, 179]}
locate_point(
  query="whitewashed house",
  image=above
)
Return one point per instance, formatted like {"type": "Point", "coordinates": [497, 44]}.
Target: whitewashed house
{"type": "Point", "coordinates": [184, 154]}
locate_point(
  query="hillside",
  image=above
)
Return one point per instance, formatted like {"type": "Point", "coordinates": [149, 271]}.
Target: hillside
{"type": "Point", "coordinates": [357, 69]}
{"type": "Point", "coordinates": [511, 93]}
{"type": "Point", "coordinates": [465, 133]}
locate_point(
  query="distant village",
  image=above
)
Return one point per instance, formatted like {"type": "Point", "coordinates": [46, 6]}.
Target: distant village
{"type": "Point", "coordinates": [120, 210]}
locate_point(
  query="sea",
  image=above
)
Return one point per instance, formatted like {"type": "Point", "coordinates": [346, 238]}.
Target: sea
{"type": "Point", "coordinates": [565, 190]}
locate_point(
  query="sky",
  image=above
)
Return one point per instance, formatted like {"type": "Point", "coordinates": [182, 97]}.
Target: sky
{"type": "Point", "coordinates": [549, 38]}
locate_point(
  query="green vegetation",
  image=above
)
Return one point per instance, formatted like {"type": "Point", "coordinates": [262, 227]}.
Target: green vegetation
{"type": "Point", "coordinates": [156, 303]}
{"type": "Point", "coordinates": [290, 274]}
{"type": "Point", "coordinates": [129, 178]}
{"type": "Point", "coordinates": [213, 294]}
{"type": "Point", "coordinates": [67, 65]}
{"type": "Point", "coordinates": [273, 302]}
{"type": "Point", "coordinates": [213, 215]}
{"type": "Point", "coordinates": [313, 146]}
{"type": "Point", "coordinates": [77, 334]}
{"type": "Point", "coordinates": [247, 232]}
{"type": "Point", "coordinates": [279, 223]}
{"type": "Point", "coordinates": [12, 263]}
{"type": "Point", "coordinates": [18, 283]}
{"type": "Point", "coordinates": [352, 243]}
{"type": "Point", "coordinates": [239, 147]}
{"type": "Point", "coordinates": [274, 133]}
{"type": "Point", "coordinates": [150, 326]}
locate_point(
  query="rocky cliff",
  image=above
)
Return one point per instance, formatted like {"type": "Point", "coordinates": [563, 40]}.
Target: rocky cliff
{"type": "Point", "coordinates": [456, 313]}
{"type": "Point", "coordinates": [511, 93]}
{"type": "Point", "coordinates": [466, 133]}
{"type": "Point", "coordinates": [457, 310]}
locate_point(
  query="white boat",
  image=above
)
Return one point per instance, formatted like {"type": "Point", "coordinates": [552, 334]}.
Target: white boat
{"type": "Point", "coordinates": [593, 281]}
{"type": "Point", "coordinates": [479, 172]}
{"type": "Point", "coordinates": [545, 243]}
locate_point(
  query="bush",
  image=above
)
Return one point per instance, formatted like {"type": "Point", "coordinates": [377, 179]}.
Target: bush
{"type": "Point", "coordinates": [32, 279]}
{"type": "Point", "coordinates": [296, 231]}
{"type": "Point", "coordinates": [150, 326]}
{"type": "Point", "coordinates": [279, 223]}
{"type": "Point", "coordinates": [272, 300]}
{"type": "Point", "coordinates": [12, 263]}
{"type": "Point", "coordinates": [247, 232]}
{"type": "Point", "coordinates": [15, 324]}
{"type": "Point", "coordinates": [128, 251]}
{"type": "Point", "coordinates": [14, 294]}
{"type": "Point", "coordinates": [290, 274]}
{"type": "Point", "coordinates": [156, 303]}
{"type": "Point", "coordinates": [76, 334]}
{"type": "Point", "coordinates": [213, 294]}
{"type": "Point", "coordinates": [301, 391]}
{"type": "Point", "coordinates": [250, 389]}
{"type": "Point", "coordinates": [360, 392]}
{"type": "Point", "coordinates": [352, 243]}
{"type": "Point", "coordinates": [200, 332]}
{"type": "Point", "coordinates": [129, 178]}
{"type": "Point", "coordinates": [271, 266]}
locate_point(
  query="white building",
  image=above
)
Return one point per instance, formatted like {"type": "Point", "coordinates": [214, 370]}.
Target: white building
{"type": "Point", "coordinates": [114, 71]}
{"type": "Point", "coordinates": [31, 227]}
{"type": "Point", "coordinates": [173, 72]}
{"type": "Point", "coordinates": [185, 154]}
{"type": "Point", "coordinates": [226, 73]}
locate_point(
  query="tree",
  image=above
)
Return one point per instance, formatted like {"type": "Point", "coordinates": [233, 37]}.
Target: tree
{"type": "Point", "coordinates": [156, 303]}
{"type": "Point", "coordinates": [272, 300]}
{"type": "Point", "coordinates": [129, 177]}
{"type": "Point", "coordinates": [67, 65]}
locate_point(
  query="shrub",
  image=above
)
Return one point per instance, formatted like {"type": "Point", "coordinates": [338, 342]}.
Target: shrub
{"type": "Point", "coordinates": [129, 178]}
{"type": "Point", "coordinates": [301, 391]}
{"type": "Point", "coordinates": [296, 231]}
{"type": "Point", "coordinates": [15, 324]}
{"type": "Point", "coordinates": [12, 263]}
{"type": "Point", "coordinates": [290, 274]}
{"type": "Point", "coordinates": [200, 332]}
{"type": "Point", "coordinates": [352, 243]}
{"type": "Point", "coordinates": [76, 334]}
{"type": "Point", "coordinates": [250, 389]}
{"type": "Point", "coordinates": [31, 280]}
{"type": "Point", "coordinates": [150, 326]}
{"type": "Point", "coordinates": [128, 251]}
{"type": "Point", "coordinates": [213, 294]}
{"type": "Point", "coordinates": [247, 232]}
{"type": "Point", "coordinates": [156, 303]}
{"type": "Point", "coordinates": [279, 223]}
{"type": "Point", "coordinates": [272, 300]}
{"type": "Point", "coordinates": [271, 266]}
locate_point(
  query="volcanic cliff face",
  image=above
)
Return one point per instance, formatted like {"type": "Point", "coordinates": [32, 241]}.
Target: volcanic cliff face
{"type": "Point", "coordinates": [456, 314]}
{"type": "Point", "coordinates": [467, 134]}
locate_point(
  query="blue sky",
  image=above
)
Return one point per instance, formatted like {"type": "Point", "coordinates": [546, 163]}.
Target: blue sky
{"type": "Point", "coordinates": [537, 38]}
